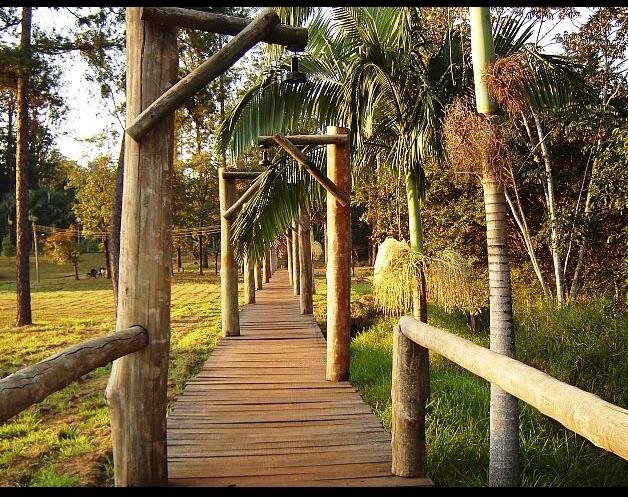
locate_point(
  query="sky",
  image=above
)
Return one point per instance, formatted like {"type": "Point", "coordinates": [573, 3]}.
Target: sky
{"type": "Point", "coordinates": [88, 114]}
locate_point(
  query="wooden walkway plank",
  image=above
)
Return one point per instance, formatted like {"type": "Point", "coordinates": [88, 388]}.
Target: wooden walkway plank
{"type": "Point", "coordinates": [260, 412]}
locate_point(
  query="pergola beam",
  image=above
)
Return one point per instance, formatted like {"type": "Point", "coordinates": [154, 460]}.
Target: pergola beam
{"type": "Point", "coordinates": [204, 74]}
{"type": "Point", "coordinates": [324, 181]}
{"type": "Point", "coordinates": [238, 174]}
{"type": "Point", "coordinates": [293, 37]}
{"type": "Point", "coordinates": [301, 140]}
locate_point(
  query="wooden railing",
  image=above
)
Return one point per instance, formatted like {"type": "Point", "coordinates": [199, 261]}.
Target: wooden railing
{"type": "Point", "coordinates": [34, 383]}
{"type": "Point", "coordinates": [602, 423]}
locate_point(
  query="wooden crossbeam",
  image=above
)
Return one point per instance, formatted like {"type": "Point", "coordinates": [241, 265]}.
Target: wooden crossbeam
{"type": "Point", "coordinates": [269, 141]}
{"type": "Point", "coordinates": [241, 174]}
{"type": "Point", "coordinates": [324, 181]}
{"type": "Point", "coordinates": [295, 38]}
{"type": "Point", "coordinates": [231, 212]}
{"type": "Point", "coordinates": [213, 67]}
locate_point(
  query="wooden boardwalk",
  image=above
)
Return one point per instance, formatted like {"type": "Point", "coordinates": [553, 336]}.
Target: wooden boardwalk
{"type": "Point", "coordinates": [260, 412]}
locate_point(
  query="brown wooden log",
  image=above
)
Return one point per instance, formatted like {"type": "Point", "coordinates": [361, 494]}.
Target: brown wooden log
{"type": "Point", "coordinates": [293, 152]}
{"type": "Point", "coordinates": [249, 282]}
{"type": "Point", "coordinates": [289, 255]}
{"type": "Point", "coordinates": [266, 266]}
{"type": "Point", "coordinates": [136, 392]}
{"type": "Point", "coordinates": [602, 423]}
{"type": "Point", "coordinates": [213, 67]}
{"type": "Point", "coordinates": [294, 37]}
{"type": "Point", "coordinates": [305, 263]}
{"type": "Point", "coordinates": [273, 259]}
{"type": "Point", "coordinates": [296, 269]}
{"type": "Point", "coordinates": [338, 262]}
{"type": "Point", "coordinates": [410, 381]}
{"type": "Point", "coordinates": [228, 267]}
{"type": "Point", "coordinates": [232, 211]}
{"type": "Point", "coordinates": [235, 174]}
{"type": "Point", "coordinates": [34, 383]}
{"type": "Point", "coordinates": [302, 140]}
{"type": "Point", "coordinates": [258, 277]}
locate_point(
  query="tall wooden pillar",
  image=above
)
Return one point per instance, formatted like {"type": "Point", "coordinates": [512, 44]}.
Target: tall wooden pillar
{"type": "Point", "coordinates": [258, 276]}
{"type": "Point", "coordinates": [249, 282]}
{"type": "Point", "coordinates": [338, 262]}
{"type": "Point", "coordinates": [266, 266]}
{"type": "Point", "coordinates": [305, 261]}
{"type": "Point", "coordinates": [289, 256]}
{"type": "Point", "coordinates": [273, 259]}
{"type": "Point", "coordinates": [228, 267]}
{"type": "Point", "coordinates": [312, 260]}
{"type": "Point", "coordinates": [136, 392]}
{"type": "Point", "coordinates": [296, 270]}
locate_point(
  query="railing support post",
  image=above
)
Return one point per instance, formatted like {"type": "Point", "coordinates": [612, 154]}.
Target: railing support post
{"type": "Point", "coordinates": [228, 268]}
{"type": "Point", "coordinates": [136, 392]}
{"type": "Point", "coordinates": [338, 261]}
{"type": "Point", "coordinates": [410, 387]}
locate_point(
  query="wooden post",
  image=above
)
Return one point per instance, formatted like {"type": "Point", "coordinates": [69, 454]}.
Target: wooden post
{"type": "Point", "coordinates": [312, 260]}
{"type": "Point", "coordinates": [258, 277]}
{"type": "Point", "coordinates": [305, 261]}
{"type": "Point", "coordinates": [249, 282]}
{"type": "Point", "coordinates": [296, 269]}
{"type": "Point", "coordinates": [410, 383]}
{"type": "Point", "coordinates": [266, 266]}
{"type": "Point", "coordinates": [228, 268]}
{"type": "Point", "coordinates": [136, 392]}
{"type": "Point", "coordinates": [338, 262]}
{"type": "Point", "coordinates": [273, 259]}
{"type": "Point", "coordinates": [289, 255]}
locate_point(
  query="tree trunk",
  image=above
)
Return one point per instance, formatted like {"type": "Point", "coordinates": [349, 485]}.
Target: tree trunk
{"type": "Point", "coordinates": [200, 253]}
{"type": "Point", "coordinates": [178, 258]}
{"type": "Point", "coordinates": [137, 388]}
{"type": "Point", "coordinates": [312, 260]}
{"type": "Point", "coordinates": [289, 256]}
{"type": "Point", "coordinates": [22, 232]}
{"type": "Point", "coordinates": [415, 225]}
{"type": "Point", "coordinates": [258, 277]}
{"type": "Point", "coordinates": [216, 255]}
{"type": "Point", "coordinates": [116, 219]}
{"type": "Point", "coordinates": [504, 416]}
{"type": "Point", "coordinates": [551, 201]}
{"type": "Point", "coordinates": [107, 258]}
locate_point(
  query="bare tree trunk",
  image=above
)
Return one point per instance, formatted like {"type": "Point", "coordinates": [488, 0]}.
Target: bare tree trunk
{"type": "Point", "coordinates": [116, 217]}
{"type": "Point", "coordinates": [178, 258]}
{"type": "Point", "coordinates": [75, 264]}
{"type": "Point", "coordinates": [107, 258]}
{"type": "Point", "coordinates": [551, 201]}
{"type": "Point", "coordinates": [504, 415]}
{"type": "Point", "coordinates": [577, 275]}
{"type": "Point", "coordinates": [200, 252]}
{"type": "Point", "coordinates": [22, 242]}
{"type": "Point", "coordinates": [504, 412]}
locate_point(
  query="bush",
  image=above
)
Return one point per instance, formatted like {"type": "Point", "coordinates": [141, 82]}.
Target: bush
{"type": "Point", "coordinates": [8, 249]}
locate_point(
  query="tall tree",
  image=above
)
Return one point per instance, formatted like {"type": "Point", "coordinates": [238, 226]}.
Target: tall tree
{"type": "Point", "coordinates": [504, 415]}
{"type": "Point", "coordinates": [22, 280]}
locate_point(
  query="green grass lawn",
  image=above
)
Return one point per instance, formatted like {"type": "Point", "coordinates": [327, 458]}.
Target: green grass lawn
{"type": "Point", "coordinates": [584, 344]}
{"type": "Point", "coordinates": [65, 439]}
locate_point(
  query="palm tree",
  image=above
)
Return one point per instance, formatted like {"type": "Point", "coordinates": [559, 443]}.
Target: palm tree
{"type": "Point", "coordinates": [374, 74]}
{"type": "Point", "coordinates": [504, 415]}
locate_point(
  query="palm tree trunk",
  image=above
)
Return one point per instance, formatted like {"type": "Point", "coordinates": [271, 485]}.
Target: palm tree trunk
{"type": "Point", "coordinates": [504, 414]}
{"type": "Point", "coordinates": [22, 242]}
{"type": "Point", "coordinates": [551, 204]}
{"type": "Point", "coordinates": [415, 225]}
